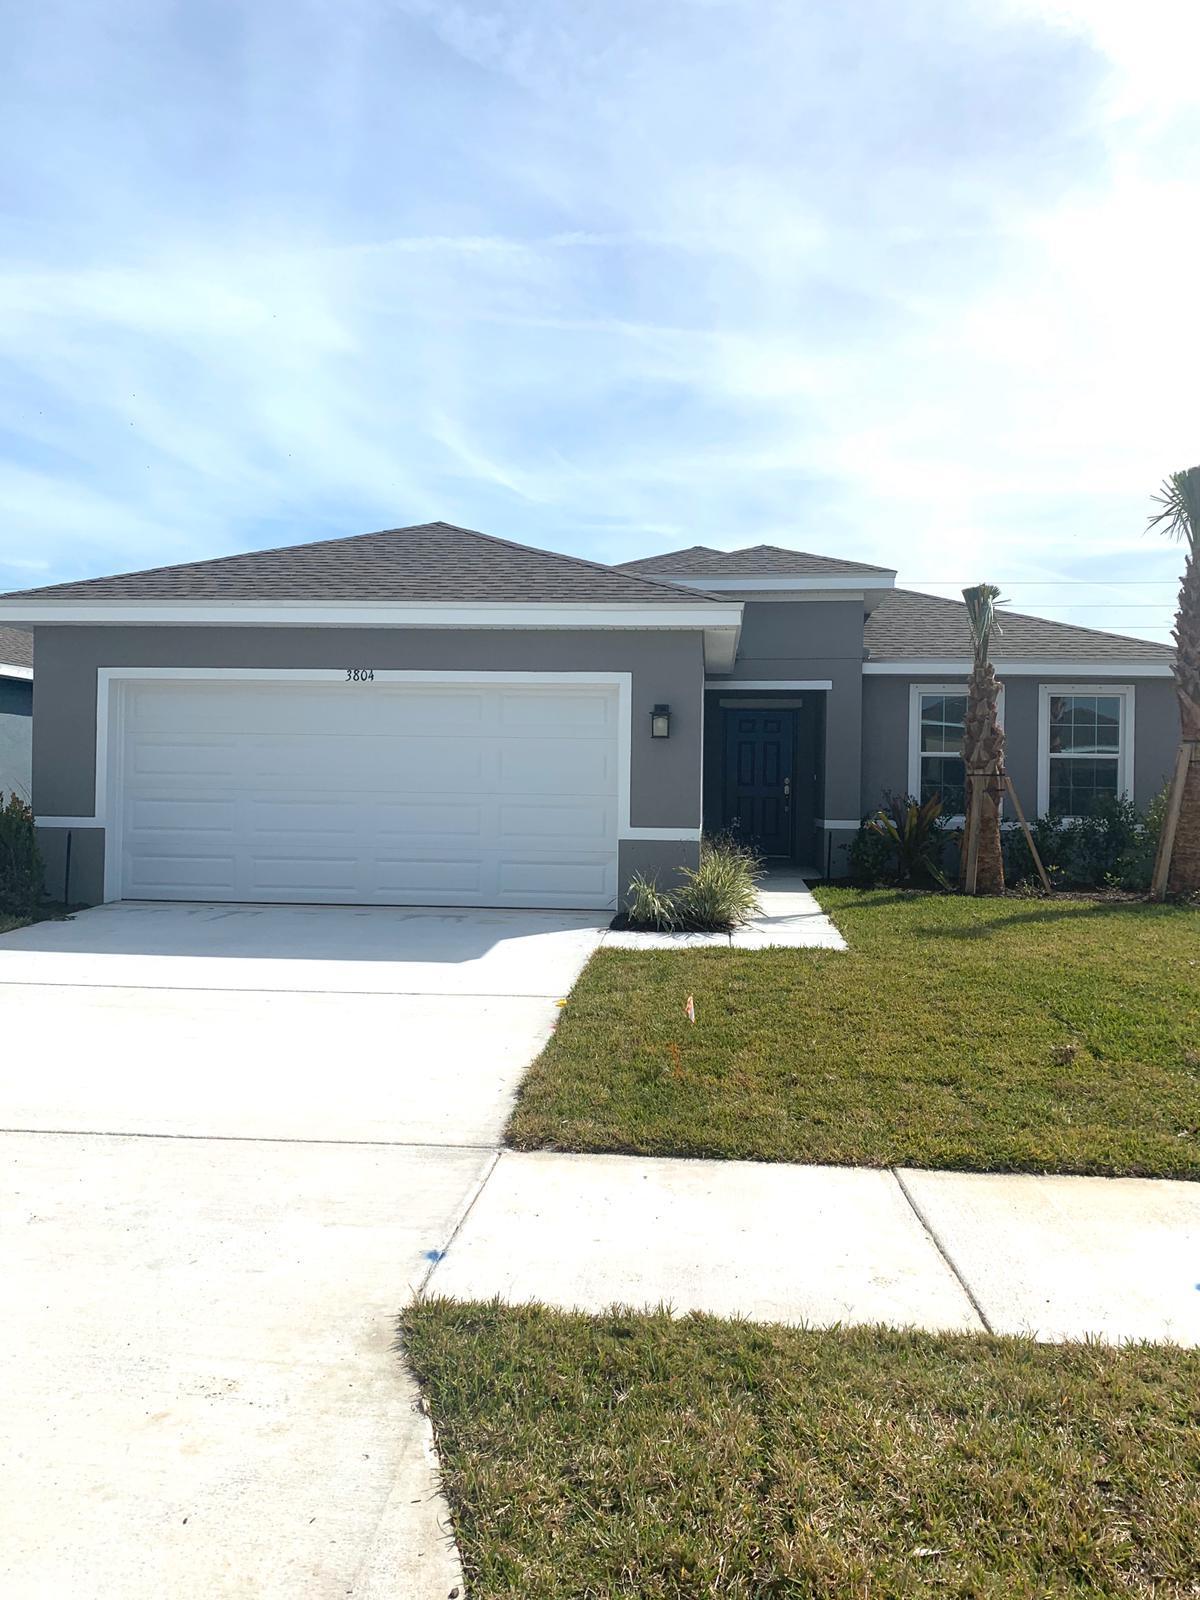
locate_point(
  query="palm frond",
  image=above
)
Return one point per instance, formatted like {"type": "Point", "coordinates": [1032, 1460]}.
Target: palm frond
{"type": "Point", "coordinates": [1179, 498]}
{"type": "Point", "coordinates": [982, 600]}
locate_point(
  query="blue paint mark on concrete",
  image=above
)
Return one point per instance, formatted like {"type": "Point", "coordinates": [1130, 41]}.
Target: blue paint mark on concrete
{"type": "Point", "coordinates": [436, 1255]}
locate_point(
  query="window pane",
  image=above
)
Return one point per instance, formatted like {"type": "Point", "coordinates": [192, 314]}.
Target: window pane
{"type": "Point", "coordinates": [1077, 783]}
{"type": "Point", "coordinates": [1085, 724]}
{"type": "Point", "coordinates": [942, 718]}
{"type": "Point", "coordinates": [944, 775]}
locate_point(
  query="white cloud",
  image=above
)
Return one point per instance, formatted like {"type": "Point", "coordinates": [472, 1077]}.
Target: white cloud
{"type": "Point", "coordinates": [912, 283]}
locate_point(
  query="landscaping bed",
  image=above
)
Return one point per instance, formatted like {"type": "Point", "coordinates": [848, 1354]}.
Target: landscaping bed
{"type": "Point", "coordinates": [1020, 1035]}
{"type": "Point", "coordinates": [640, 1456]}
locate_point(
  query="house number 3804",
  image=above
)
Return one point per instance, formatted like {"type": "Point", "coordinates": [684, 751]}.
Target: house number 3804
{"type": "Point", "coordinates": [360, 674]}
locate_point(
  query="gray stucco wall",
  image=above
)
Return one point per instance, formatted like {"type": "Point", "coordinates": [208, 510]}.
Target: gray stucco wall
{"type": "Point", "coordinates": [16, 733]}
{"type": "Point", "coordinates": [886, 733]}
{"type": "Point", "coordinates": [814, 639]}
{"type": "Point", "coordinates": [665, 667]}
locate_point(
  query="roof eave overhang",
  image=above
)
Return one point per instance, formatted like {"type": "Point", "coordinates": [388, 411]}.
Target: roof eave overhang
{"type": "Point", "coordinates": [719, 622]}
{"type": "Point", "coordinates": [1022, 667]}
{"type": "Point", "coordinates": [9, 669]}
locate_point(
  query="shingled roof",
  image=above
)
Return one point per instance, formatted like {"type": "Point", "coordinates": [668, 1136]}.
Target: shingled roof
{"type": "Point", "coordinates": [16, 648]}
{"type": "Point", "coordinates": [432, 561]}
{"type": "Point", "coordinates": [909, 626]}
{"type": "Point", "coordinates": [755, 561]}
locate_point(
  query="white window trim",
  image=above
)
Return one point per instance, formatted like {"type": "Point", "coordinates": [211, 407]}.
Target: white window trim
{"type": "Point", "coordinates": [915, 691]}
{"type": "Point", "coordinates": [1127, 694]}
{"type": "Point", "coordinates": [110, 704]}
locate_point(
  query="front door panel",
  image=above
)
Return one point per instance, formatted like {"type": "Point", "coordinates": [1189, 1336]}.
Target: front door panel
{"type": "Point", "coordinates": [758, 778]}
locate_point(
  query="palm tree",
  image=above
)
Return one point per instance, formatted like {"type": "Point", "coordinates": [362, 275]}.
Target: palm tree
{"type": "Point", "coordinates": [1177, 870]}
{"type": "Point", "coordinates": [981, 869]}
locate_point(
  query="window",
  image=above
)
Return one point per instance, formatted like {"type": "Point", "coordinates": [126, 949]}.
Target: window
{"type": "Point", "coordinates": [940, 716]}
{"type": "Point", "coordinates": [936, 714]}
{"type": "Point", "coordinates": [1085, 746]}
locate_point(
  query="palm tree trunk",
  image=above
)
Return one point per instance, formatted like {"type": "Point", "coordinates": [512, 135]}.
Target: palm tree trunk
{"type": "Point", "coordinates": [983, 757]}
{"type": "Point", "coordinates": [1184, 875]}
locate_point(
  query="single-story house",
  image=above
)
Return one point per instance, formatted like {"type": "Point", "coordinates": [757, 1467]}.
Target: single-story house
{"type": "Point", "coordinates": [16, 712]}
{"type": "Point", "coordinates": [429, 715]}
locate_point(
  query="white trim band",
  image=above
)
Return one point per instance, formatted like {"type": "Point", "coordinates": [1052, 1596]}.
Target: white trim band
{"type": "Point", "coordinates": [730, 684]}
{"type": "Point", "coordinates": [369, 614]}
{"type": "Point", "coordinates": [849, 583]}
{"type": "Point", "coordinates": [961, 666]}
{"type": "Point", "coordinates": [11, 670]}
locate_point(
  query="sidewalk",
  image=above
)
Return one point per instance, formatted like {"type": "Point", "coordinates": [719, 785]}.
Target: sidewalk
{"type": "Point", "coordinates": [1062, 1258]}
{"type": "Point", "coordinates": [789, 915]}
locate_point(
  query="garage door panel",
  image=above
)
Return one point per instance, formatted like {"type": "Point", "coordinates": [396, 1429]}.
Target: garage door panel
{"type": "Point", "coordinates": [210, 873]}
{"type": "Point", "coordinates": [524, 713]}
{"type": "Point", "coordinates": [384, 793]}
{"type": "Point", "coordinates": [313, 873]}
{"type": "Point", "coordinates": [179, 813]}
{"type": "Point", "coordinates": [541, 820]}
{"type": "Point", "coordinates": [428, 875]}
{"type": "Point", "coordinates": [553, 877]}
{"type": "Point", "coordinates": [437, 821]}
{"type": "Point", "coordinates": [565, 767]}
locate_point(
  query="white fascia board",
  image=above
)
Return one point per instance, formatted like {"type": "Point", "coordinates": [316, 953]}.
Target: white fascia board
{"type": "Point", "coordinates": [8, 670]}
{"type": "Point", "coordinates": [851, 581]}
{"type": "Point", "coordinates": [726, 685]}
{"type": "Point", "coordinates": [961, 667]}
{"type": "Point", "coordinates": [367, 614]}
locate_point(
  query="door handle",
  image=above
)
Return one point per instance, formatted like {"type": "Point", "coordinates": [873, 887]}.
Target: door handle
{"type": "Point", "coordinates": [787, 788]}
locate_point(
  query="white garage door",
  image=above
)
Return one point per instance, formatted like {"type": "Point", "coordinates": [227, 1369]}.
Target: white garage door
{"type": "Point", "coordinates": [380, 793]}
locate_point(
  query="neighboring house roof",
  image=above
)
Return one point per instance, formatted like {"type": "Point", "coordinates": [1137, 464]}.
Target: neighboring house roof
{"type": "Point", "coordinates": [909, 626]}
{"type": "Point", "coordinates": [755, 561]}
{"type": "Point", "coordinates": [16, 653]}
{"type": "Point", "coordinates": [431, 562]}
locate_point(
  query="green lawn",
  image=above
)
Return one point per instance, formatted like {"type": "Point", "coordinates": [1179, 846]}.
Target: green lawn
{"type": "Point", "coordinates": [7, 924]}
{"type": "Point", "coordinates": [1004, 1035]}
{"type": "Point", "coordinates": [643, 1457]}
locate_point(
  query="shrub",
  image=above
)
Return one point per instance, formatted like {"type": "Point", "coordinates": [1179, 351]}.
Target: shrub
{"type": "Point", "coordinates": [21, 868]}
{"type": "Point", "coordinates": [719, 894]}
{"type": "Point", "coordinates": [648, 905]}
{"type": "Point", "coordinates": [903, 842]}
{"type": "Point", "coordinates": [1113, 847]}
{"type": "Point", "coordinates": [870, 858]}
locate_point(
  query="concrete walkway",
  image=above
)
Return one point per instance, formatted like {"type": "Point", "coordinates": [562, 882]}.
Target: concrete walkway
{"type": "Point", "coordinates": [789, 916]}
{"type": "Point", "coordinates": [236, 1139]}
{"type": "Point", "coordinates": [1061, 1258]}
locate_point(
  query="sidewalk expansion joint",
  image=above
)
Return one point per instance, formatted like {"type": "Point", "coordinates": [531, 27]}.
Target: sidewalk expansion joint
{"type": "Point", "coordinates": [461, 1223]}
{"type": "Point", "coordinates": [242, 1138]}
{"type": "Point", "coordinates": [941, 1250]}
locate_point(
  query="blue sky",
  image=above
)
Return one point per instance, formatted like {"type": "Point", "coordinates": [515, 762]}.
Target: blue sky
{"type": "Point", "coordinates": [913, 283]}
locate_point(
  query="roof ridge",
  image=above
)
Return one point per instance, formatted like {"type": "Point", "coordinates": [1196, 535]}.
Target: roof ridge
{"type": "Point", "coordinates": [649, 583]}
{"type": "Point", "coordinates": [561, 555]}
{"type": "Point", "coordinates": [1050, 622]}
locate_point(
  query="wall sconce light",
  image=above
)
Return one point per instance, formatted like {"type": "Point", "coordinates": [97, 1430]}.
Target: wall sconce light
{"type": "Point", "coordinates": [660, 722]}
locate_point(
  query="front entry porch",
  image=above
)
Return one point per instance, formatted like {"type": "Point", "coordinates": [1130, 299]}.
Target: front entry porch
{"type": "Point", "coordinates": [764, 772]}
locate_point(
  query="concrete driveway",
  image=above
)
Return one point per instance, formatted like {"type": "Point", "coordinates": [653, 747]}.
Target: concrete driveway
{"type": "Point", "coordinates": [237, 1138]}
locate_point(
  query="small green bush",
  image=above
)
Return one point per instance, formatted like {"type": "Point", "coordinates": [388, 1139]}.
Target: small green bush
{"type": "Point", "coordinates": [1112, 848]}
{"type": "Point", "coordinates": [21, 867]}
{"type": "Point", "coordinates": [649, 906]}
{"type": "Point", "coordinates": [903, 842]}
{"type": "Point", "coordinates": [721, 893]}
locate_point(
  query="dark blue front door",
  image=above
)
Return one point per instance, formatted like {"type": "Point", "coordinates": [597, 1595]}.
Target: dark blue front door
{"type": "Point", "coordinates": [758, 778]}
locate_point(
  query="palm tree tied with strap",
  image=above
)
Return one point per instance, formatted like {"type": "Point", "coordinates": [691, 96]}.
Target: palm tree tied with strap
{"type": "Point", "coordinates": [981, 862]}
{"type": "Point", "coordinates": [1177, 866]}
